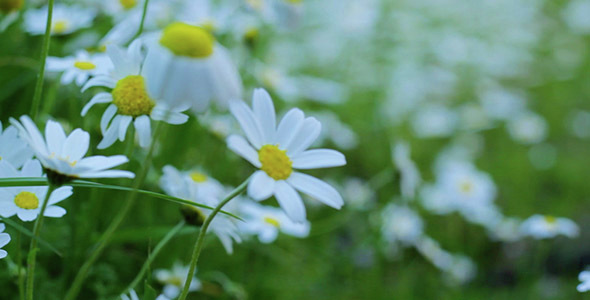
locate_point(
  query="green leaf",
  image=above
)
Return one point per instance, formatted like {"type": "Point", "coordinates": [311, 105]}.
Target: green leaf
{"type": "Point", "coordinates": [25, 231]}
{"type": "Point", "coordinates": [40, 181]}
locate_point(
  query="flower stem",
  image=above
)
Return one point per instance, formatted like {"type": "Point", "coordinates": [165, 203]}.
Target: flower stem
{"type": "Point", "coordinates": [144, 12]}
{"type": "Point", "coordinates": [33, 249]}
{"type": "Point", "coordinates": [107, 235]}
{"type": "Point", "coordinates": [44, 52]}
{"type": "Point", "coordinates": [151, 258]}
{"type": "Point", "coordinates": [201, 238]}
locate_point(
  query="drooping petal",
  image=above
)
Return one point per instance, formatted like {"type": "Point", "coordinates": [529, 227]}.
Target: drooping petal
{"type": "Point", "coordinates": [109, 113]}
{"type": "Point", "coordinates": [144, 130]}
{"type": "Point", "coordinates": [100, 80]}
{"type": "Point", "coordinates": [123, 125]}
{"type": "Point", "coordinates": [316, 188]}
{"type": "Point", "coordinates": [98, 98]}
{"type": "Point", "coordinates": [290, 201]}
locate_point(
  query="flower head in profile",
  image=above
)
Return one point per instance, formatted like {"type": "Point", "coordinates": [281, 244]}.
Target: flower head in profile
{"type": "Point", "coordinates": [266, 222]}
{"type": "Point", "coordinates": [130, 100]}
{"type": "Point", "coordinates": [26, 202]}
{"type": "Point", "coordinates": [80, 67]}
{"type": "Point", "coordinates": [173, 280]}
{"type": "Point", "coordinates": [63, 156]}
{"type": "Point", "coordinates": [546, 226]}
{"type": "Point", "coordinates": [12, 148]}
{"type": "Point", "coordinates": [185, 65]}
{"type": "Point", "coordinates": [66, 19]}
{"type": "Point", "coordinates": [278, 151]}
{"type": "Point", "coordinates": [4, 239]}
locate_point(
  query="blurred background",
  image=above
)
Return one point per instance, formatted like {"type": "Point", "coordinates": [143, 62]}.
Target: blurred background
{"type": "Point", "coordinates": [465, 124]}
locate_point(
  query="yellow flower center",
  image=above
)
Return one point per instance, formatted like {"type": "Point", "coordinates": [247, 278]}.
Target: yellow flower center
{"type": "Point", "coordinates": [272, 221]}
{"type": "Point", "coordinates": [187, 40]}
{"type": "Point", "coordinates": [26, 200]}
{"type": "Point", "coordinates": [209, 25]}
{"type": "Point", "coordinates": [251, 34]}
{"type": "Point", "coordinates": [275, 162]}
{"type": "Point", "coordinates": [128, 4]}
{"type": "Point", "coordinates": [294, 1]}
{"type": "Point", "coordinates": [198, 177]}
{"type": "Point", "coordinates": [59, 26]}
{"type": "Point", "coordinates": [550, 219]}
{"type": "Point", "coordinates": [131, 97]}
{"type": "Point", "coordinates": [10, 5]}
{"type": "Point", "coordinates": [84, 65]}
{"type": "Point", "coordinates": [174, 280]}
{"type": "Point", "coordinates": [466, 187]}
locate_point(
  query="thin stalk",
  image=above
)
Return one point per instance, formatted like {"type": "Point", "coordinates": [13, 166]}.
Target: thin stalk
{"type": "Point", "coordinates": [44, 52]}
{"type": "Point", "coordinates": [153, 255]}
{"type": "Point", "coordinates": [201, 238]}
{"type": "Point", "coordinates": [144, 12]}
{"type": "Point", "coordinates": [33, 249]}
{"type": "Point", "coordinates": [108, 234]}
{"type": "Point", "coordinates": [19, 261]}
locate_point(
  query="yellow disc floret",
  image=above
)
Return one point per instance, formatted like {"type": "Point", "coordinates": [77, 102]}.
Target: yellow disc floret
{"type": "Point", "coordinates": [26, 200]}
{"type": "Point", "coordinates": [550, 219]}
{"type": "Point", "coordinates": [131, 97]}
{"type": "Point", "coordinates": [466, 187]}
{"type": "Point", "coordinates": [187, 40]}
{"type": "Point", "coordinates": [272, 221]}
{"type": "Point", "coordinates": [198, 177]}
{"type": "Point", "coordinates": [128, 4]}
{"type": "Point", "coordinates": [59, 26]}
{"type": "Point", "coordinates": [275, 162]}
{"type": "Point", "coordinates": [84, 65]}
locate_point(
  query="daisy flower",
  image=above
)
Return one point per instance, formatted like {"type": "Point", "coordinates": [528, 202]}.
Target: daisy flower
{"type": "Point", "coordinates": [63, 156]}
{"type": "Point", "coordinates": [173, 280]}
{"type": "Point", "coordinates": [584, 277]}
{"type": "Point", "coordinates": [401, 224]}
{"type": "Point", "coordinates": [66, 19]}
{"type": "Point", "coordinates": [130, 100]}
{"type": "Point", "coordinates": [26, 202]}
{"type": "Point", "coordinates": [200, 188]}
{"type": "Point", "coordinates": [12, 148]}
{"type": "Point", "coordinates": [543, 227]}
{"type": "Point", "coordinates": [80, 67]}
{"type": "Point", "coordinates": [4, 239]}
{"type": "Point", "coordinates": [184, 64]}
{"type": "Point", "coordinates": [266, 222]}
{"type": "Point", "coordinates": [277, 151]}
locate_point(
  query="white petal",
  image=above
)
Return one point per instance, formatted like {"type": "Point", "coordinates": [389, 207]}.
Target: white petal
{"type": "Point", "coordinates": [248, 122]}
{"type": "Point", "coordinates": [318, 158]}
{"type": "Point", "coordinates": [290, 201]}
{"type": "Point", "coordinates": [241, 147]}
{"type": "Point", "coordinates": [76, 145]}
{"type": "Point", "coordinates": [123, 125]}
{"type": "Point", "coordinates": [109, 113]}
{"type": "Point", "coordinates": [3, 253]}
{"type": "Point", "coordinates": [316, 188]}
{"type": "Point", "coordinates": [102, 162]}
{"type": "Point", "coordinates": [144, 130]}
{"type": "Point", "coordinates": [55, 137]}
{"type": "Point", "coordinates": [265, 113]}
{"type": "Point", "coordinates": [32, 168]}
{"type": "Point", "coordinates": [108, 174]}
{"type": "Point", "coordinates": [60, 194]}
{"type": "Point", "coordinates": [261, 186]}
{"type": "Point", "coordinates": [305, 136]}
{"type": "Point", "coordinates": [55, 212]}
{"type": "Point", "coordinates": [110, 136]}
{"type": "Point", "coordinates": [105, 81]}
{"type": "Point", "coordinates": [98, 98]}
{"type": "Point", "coordinates": [288, 127]}
{"type": "Point", "coordinates": [27, 215]}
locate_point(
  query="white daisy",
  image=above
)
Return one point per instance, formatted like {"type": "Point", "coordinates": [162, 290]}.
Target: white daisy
{"type": "Point", "coordinates": [266, 222]}
{"type": "Point", "coordinates": [173, 280]}
{"type": "Point", "coordinates": [184, 65]}
{"type": "Point", "coordinates": [129, 98]}
{"type": "Point", "coordinates": [4, 239]}
{"type": "Point", "coordinates": [200, 188]}
{"type": "Point", "coordinates": [12, 148]}
{"type": "Point", "coordinates": [26, 202]}
{"type": "Point", "coordinates": [400, 223]}
{"type": "Point", "coordinates": [543, 227]}
{"type": "Point", "coordinates": [277, 151]}
{"type": "Point", "coordinates": [66, 19]}
{"type": "Point", "coordinates": [584, 277]}
{"type": "Point", "coordinates": [63, 156]}
{"type": "Point", "coordinates": [80, 67]}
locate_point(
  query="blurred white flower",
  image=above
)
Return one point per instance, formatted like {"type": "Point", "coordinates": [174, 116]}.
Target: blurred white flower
{"type": "Point", "coordinates": [133, 296]}
{"type": "Point", "coordinates": [584, 277]}
{"type": "Point", "coordinates": [410, 175]}
{"type": "Point", "coordinates": [284, 13]}
{"type": "Point", "coordinates": [401, 224]}
{"type": "Point", "coordinates": [130, 99]}
{"type": "Point", "coordinates": [334, 130]}
{"type": "Point", "coordinates": [185, 65]}
{"type": "Point", "coordinates": [461, 268]}
{"type": "Point", "coordinates": [173, 280]}
{"type": "Point", "coordinates": [506, 230]}
{"type": "Point", "coordinates": [358, 194]}
{"type": "Point", "coordinates": [266, 222]}
{"type": "Point", "coordinates": [26, 201]}
{"type": "Point", "coordinates": [543, 227]}
{"type": "Point", "coordinates": [63, 156]}
{"type": "Point", "coordinates": [528, 128]}
{"type": "Point", "coordinates": [4, 239]}
{"type": "Point", "coordinates": [66, 19]}
{"type": "Point", "coordinates": [576, 15]}
{"type": "Point", "coordinates": [80, 67]}
{"type": "Point", "coordinates": [276, 151]}
{"type": "Point", "coordinates": [12, 148]}
{"type": "Point", "coordinates": [434, 121]}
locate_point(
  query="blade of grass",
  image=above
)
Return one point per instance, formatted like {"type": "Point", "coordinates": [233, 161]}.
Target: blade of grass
{"type": "Point", "coordinates": [28, 233]}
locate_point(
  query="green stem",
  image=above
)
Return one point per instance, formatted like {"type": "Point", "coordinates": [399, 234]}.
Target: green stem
{"type": "Point", "coordinates": [19, 260]}
{"type": "Point", "coordinates": [107, 235]}
{"type": "Point", "coordinates": [201, 238]}
{"type": "Point", "coordinates": [144, 12]}
{"type": "Point", "coordinates": [151, 258]}
{"type": "Point", "coordinates": [44, 52]}
{"type": "Point", "coordinates": [33, 249]}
